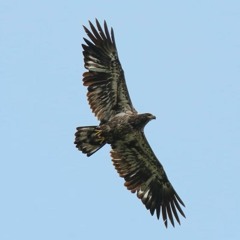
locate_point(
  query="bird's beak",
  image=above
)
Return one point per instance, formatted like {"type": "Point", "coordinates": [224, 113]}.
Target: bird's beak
{"type": "Point", "coordinates": [153, 117]}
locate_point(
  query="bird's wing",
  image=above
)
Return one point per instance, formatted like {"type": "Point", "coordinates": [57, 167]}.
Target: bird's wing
{"type": "Point", "coordinates": [107, 90]}
{"type": "Point", "coordinates": [135, 161]}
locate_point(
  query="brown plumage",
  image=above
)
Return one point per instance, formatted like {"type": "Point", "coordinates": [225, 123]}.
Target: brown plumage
{"type": "Point", "coordinates": [122, 127]}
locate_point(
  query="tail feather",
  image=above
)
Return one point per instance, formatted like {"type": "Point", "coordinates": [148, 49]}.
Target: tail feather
{"type": "Point", "coordinates": [89, 140]}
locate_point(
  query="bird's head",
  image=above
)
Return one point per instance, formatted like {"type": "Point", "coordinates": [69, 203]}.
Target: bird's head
{"type": "Point", "coordinates": [149, 116]}
{"type": "Point", "coordinates": [143, 119]}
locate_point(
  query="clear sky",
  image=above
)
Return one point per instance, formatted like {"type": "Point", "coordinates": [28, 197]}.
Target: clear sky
{"type": "Point", "coordinates": [182, 64]}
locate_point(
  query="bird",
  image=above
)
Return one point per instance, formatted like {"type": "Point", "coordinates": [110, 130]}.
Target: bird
{"type": "Point", "coordinates": [122, 127]}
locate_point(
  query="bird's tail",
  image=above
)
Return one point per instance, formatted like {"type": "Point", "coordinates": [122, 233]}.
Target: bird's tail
{"type": "Point", "coordinates": [89, 140]}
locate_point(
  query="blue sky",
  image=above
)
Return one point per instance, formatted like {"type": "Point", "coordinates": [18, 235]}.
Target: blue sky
{"type": "Point", "coordinates": [181, 62]}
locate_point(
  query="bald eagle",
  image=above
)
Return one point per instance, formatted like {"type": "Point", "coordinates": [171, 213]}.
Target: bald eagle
{"type": "Point", "coordinates": [122, 127]}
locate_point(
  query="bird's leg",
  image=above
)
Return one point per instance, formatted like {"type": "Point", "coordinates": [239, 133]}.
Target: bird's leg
{"type": "Point", "coordinates": [101, 139]}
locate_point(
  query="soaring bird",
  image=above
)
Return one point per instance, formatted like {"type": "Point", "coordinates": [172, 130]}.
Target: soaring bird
{"type": "Point", "coordinates": [122, 127]}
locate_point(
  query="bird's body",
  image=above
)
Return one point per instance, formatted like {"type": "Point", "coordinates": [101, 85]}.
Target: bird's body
{"type": "Point", "coordinates": [122, 127]}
